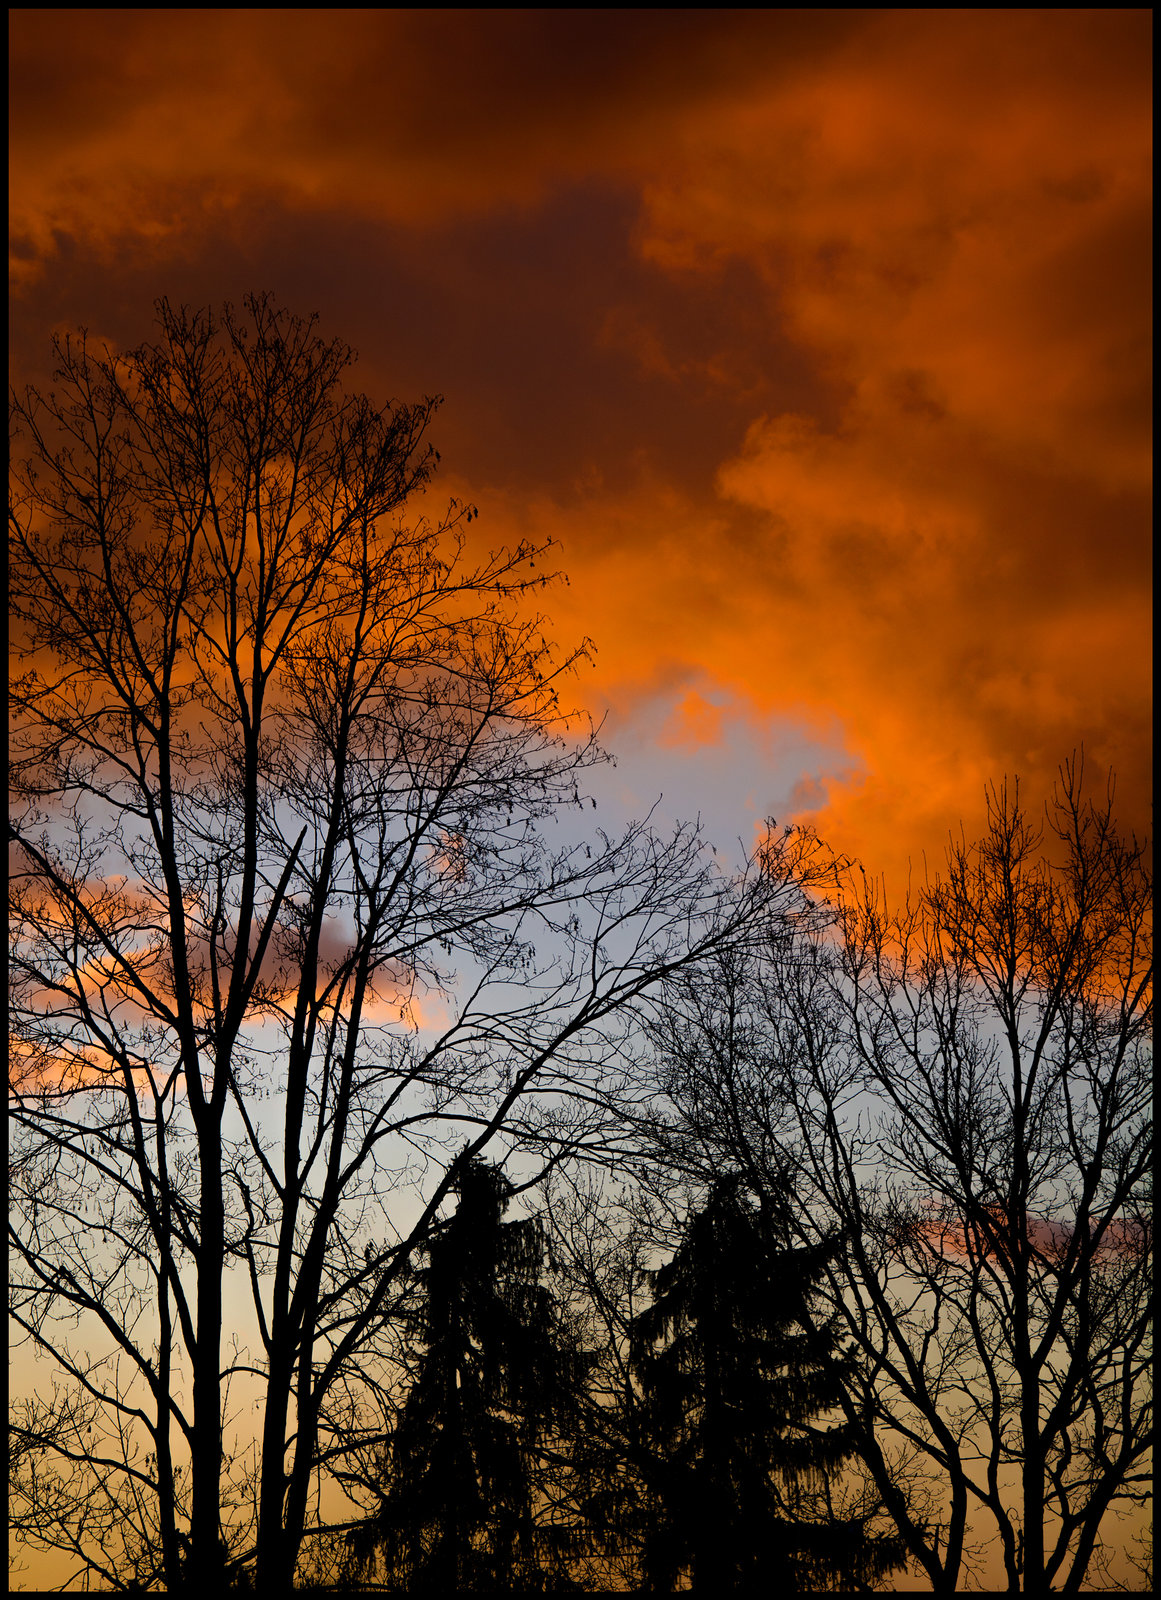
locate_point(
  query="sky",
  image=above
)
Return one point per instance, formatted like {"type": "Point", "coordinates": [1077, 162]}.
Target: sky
{"type": "Point", "coordinates": [818, 340]}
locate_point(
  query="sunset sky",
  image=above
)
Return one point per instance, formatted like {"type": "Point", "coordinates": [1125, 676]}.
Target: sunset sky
{"type": "Point", "coordinates": [820, 342]}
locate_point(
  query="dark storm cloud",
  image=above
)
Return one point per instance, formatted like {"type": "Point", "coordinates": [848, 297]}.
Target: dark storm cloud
{"type": "Point", "coordinates": [820, 340]}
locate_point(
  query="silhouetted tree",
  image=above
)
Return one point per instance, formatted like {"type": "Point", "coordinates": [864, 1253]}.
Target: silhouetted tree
{"type": "Point", "coordinates": [963, 1089]}
{"type": "Point", "coordinates": [736, 1372]}
{"type": "Point", "coordinates": [497, 1373]}
{"type": "Point", "coordinates": [281, 764]}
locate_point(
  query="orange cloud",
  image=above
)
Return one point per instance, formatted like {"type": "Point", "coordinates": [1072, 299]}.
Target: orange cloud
{"type": "Point", "coordinates": [858, 430]}
{"type": "Point", "coordinates": [696, 721]}
{"type": "Point", "coordinates": [155, 124]}
{"type": "Point", "coordinates": [1050, 1238]}
{"type": "Point", "coordinates": [952, 215]}
{"type": "Point", "coordinates": [956, 215]}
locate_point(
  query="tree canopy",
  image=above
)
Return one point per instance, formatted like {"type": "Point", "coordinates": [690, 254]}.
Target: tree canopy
{"type": "Point", "coordinates": [288, 923]}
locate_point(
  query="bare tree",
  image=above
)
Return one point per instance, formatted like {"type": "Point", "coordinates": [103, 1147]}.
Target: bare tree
{"type": "Point", "coordinates": [963, 1090]}
{"type": "Point", "coordinates": [288, 922]}
{"type": "Point", "coordinates": [604, 1239]}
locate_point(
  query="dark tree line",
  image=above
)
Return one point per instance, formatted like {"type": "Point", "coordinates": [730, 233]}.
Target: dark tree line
{"type": "Point", "coordinates": [407, 1190]}
{"type": "Point", "coordinates": [721, 1430]}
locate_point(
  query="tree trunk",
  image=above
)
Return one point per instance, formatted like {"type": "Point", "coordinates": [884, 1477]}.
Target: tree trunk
{"type": "Point", "coordinates": [165, 1485]}
{"type": "Point", "coordinates": [272, 1576]}
{"type": "Point", "coordinates": [206, 1466]}
{"type": "Point", "coordinates": [306, 1436]}
{"type": "Point", "coordinates": [1032, 1485]}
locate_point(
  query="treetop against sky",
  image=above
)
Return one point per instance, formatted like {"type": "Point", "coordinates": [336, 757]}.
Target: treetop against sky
{"type": "Point", "coordinates": [819, 341]}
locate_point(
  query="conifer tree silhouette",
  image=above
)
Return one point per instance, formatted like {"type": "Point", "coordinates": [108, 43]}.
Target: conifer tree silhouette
{"type": "Point", "coordinates": [495, 1369]}
{"type": "Point", "coordinates": [735, 1373]}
